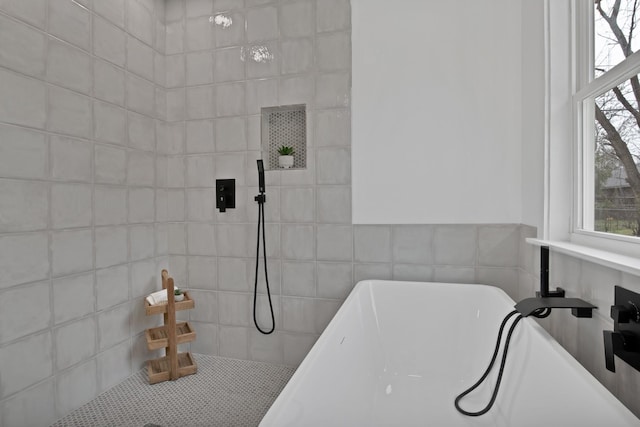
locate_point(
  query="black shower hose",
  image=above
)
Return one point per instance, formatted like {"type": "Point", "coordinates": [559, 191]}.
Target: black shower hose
{"type": "Point", "coordinates": [540, 313]}
{"type": "Point", "coordinates": [266, 276]}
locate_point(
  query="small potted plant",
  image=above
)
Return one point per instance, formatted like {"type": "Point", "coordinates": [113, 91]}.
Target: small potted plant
{"type": "Point", "coordinates": [286, 156]}
{"type": "Point", "coordinates": [178, 295]}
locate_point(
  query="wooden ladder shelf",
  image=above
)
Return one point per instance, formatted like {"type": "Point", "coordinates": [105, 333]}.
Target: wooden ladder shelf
{"type": "Point", "coordinates": [173, 365]}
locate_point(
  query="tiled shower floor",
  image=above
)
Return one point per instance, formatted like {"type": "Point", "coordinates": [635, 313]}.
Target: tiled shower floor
{"type": "Point", "coordinates": [224, 392]}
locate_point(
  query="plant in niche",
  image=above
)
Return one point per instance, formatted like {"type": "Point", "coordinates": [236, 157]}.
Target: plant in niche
{"type": "Point", "coordinates": [286, 156]}
{"type": "Point", "coordinates": [178, 295]}
{"type": "Point", "coordinates": [286, 151]}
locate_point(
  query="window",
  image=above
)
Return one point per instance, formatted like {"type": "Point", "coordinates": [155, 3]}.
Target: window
{"type": "Point", "coordinates": [607, 102]}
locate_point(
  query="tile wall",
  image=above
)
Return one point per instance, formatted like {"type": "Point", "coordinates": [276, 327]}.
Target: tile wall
{"type": "Point", "coordinates": [582, 338]}
{"type": "Point", "coordinates": [81, 97]}
{"type": "Point", "coordinates": [115, 120]}
{"type": "Point", "coordinates": [225, 60]}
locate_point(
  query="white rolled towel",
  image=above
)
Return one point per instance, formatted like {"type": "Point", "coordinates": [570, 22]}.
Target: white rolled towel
{"type": "Point", "coordinates": [159, 297]}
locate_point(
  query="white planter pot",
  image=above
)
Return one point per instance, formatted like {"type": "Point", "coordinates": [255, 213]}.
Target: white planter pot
{"type": "Point", "coordinates": [285, 161]}
{"type": "Point", "coordinates": [178, 298]}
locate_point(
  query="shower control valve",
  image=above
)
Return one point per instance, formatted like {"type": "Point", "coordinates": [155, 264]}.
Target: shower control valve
{"type": "Point", "coordinates": [225, 194]}
{"type": "Point", "coordinates": [625, 314]}
{"type": "Point", "coordinates": [624, 340]}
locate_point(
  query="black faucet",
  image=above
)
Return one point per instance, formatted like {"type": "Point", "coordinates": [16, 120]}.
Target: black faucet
{"type": "Point", "coordinates": [545, 300]}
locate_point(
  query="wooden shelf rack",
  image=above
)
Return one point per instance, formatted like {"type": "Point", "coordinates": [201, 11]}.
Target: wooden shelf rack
{"type": "Point", "coordinates": [168, 336]}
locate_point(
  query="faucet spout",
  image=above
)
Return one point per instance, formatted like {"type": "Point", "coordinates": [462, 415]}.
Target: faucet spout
{"type": "Point", "coordinates": [579, 308]}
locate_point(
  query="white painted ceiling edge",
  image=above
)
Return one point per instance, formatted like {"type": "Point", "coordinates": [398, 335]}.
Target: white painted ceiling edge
{"type": "Point", "coordinates": [437, 112]}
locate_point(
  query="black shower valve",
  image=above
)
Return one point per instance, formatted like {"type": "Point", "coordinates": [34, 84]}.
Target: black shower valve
{"type": "Point", "coordinates": [225, 194]}
{"type": "Point", "coordinates": [624, 313]}
{"type": "Point", "coordinates": [624, 340]}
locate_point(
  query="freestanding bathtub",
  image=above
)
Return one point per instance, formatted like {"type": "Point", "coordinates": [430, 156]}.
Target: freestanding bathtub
{"type": "Point", "coordinates": [397, 354]}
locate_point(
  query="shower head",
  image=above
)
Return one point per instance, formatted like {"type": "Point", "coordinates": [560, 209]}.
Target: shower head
{"type": "Point", "coordinates": [260, 176]}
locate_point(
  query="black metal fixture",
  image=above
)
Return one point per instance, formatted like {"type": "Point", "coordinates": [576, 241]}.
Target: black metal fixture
{"type": "Point", "coordinates": [547, 300]}
{"type": "Point", "coordinates": [539, 307]}
{"type": "Point", "coordinates": [225, 194]}
{"type": "Point", "coordinates": [623, 341]}
{"type": "Point", "coordinates": [261, 199]}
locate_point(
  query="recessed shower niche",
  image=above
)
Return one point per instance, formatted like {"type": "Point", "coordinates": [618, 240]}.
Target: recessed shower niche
{"type": "Point", "coordinates": [284, 126]}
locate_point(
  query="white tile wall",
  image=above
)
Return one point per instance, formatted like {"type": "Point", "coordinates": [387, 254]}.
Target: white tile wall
{"type": "Point", "coordinates": [32, 407]}
{"type": "Point", "coordinates": [24, 100]}
{"type": "Point", "coordinates": [140, 95]}
{"type": "Point", "coordinates": [140, 22]}
{"type": "Point", "coordinates": [119, 121]}
{"type": "Point", "coordinates": [23, 49]}
{"type": "Point", "coordinates": [34, 13]}
{"type": "Point", "coordinates": [23, 258]}
{"type": "Point", "coordinates": [144, 278]}
{"type": "Point", "coordinates": [71, 22]}
{"type": "Point", "coordinates": [229, 28]}
{"type": "Point", "coordinates": [71, 159]}
{"type": "Point", "coordinates": [75, 342]}
{"type": "Point", "coordinates": [110, 205]}
{"type": "Point", "coordinates": [262, 24]}
{"type": "Point", "coordinates": [335, 280]}
{"type": "Point", "coordinates": [114, 366]}
{"type": "Point", "coordinates": [70, 205]}
{"type": "Point", "coordinates": [334, 51]}
{"type": "Point", "coordinates": [229, 64]}
{"type": "Point", "coordinates": [268, 349]}
{"type": "Point", "coordinates": [76, 386]}
{"type": "Point", "coordinates": [141, 132]}
{"type": "Point", "coordinates": [108, 82]}
{"type": "Point", "coordinates": [112, 286]}
{"type": "Point", "coordinates": [200, 136]}
{"type": "Point", "coordinates": [334, 243]}
{"type": "Point", "coordinates": [234, 274]}
{"type": "Point", "coordinates": [202, 272]}
{"type": "Point", "coordinates": [233, 342]}
{"type": "Point", "coordinates": [72, 150]}
{"type": "Point", "coordinates": [24, 205]}
{"type": "Point", "coordinates": [111, 246]}
{"type": "Point", "coordinates": [198, 34]}
{"type": "Point", "coordinates": [69, 113]}
{"type": "Point", "coordinates": [113, 326]}
{"type": "Point", "coordinates": [413, 244]}
{"type": "Point", "coordinates": [112, 11]}
{"type": "Point", "coordinates": [68, 66]}
{"type": "Point", "coordinates": [413, 272]}
{"type": "Point", "coordinates": [28, 307]}
{"type": "Point", "coordinates": [73, 297]}
{"type": "Point", "coordinates": [23, 153]}
{"type": "Point", "coordinates": [140, 58]}
{"type": "Point", "coordinates": [25, 362]}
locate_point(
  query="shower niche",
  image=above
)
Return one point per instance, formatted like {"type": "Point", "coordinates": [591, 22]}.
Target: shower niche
{"type": "Point", "coordinates": [284, 126]}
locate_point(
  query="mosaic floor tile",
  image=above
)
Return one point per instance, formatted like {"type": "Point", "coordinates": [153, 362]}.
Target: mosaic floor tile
{"type": "Point", "coordinates": [224, 392]}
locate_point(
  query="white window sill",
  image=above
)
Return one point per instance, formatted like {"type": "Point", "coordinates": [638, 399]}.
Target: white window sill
{"type": "Point", "coordinates": [624, 263]}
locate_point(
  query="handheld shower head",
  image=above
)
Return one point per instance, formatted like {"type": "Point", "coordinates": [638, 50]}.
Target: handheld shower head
{"type": "Point", "coordinates": [261, 199]}
{"type": "Point", "coordinates": [260, 176]}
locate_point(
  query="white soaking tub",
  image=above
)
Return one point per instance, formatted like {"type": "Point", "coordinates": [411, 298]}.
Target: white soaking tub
{"type": "Point", "coordinates": [397, 354]}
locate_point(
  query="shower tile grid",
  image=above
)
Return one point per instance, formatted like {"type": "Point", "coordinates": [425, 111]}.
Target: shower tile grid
{"type": "Point", "coordinates": [224, 392]}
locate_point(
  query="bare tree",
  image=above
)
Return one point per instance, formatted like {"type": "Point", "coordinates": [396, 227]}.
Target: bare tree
{"type": "Point", "coordinates": [618, 111]}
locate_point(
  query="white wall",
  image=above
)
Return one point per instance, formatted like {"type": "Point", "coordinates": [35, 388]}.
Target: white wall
{"type": "Point", "coordinates": [533, 113]}
{"type": "Point", "coordinates": [436, 111]}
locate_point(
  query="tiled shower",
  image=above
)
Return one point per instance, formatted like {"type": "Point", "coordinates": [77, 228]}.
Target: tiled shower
{"type": "Point", "coordinates": [117, 117]}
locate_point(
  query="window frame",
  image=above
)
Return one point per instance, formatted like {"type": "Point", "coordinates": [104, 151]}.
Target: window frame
{"type": "Point", "coordinates": [586, 88]}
